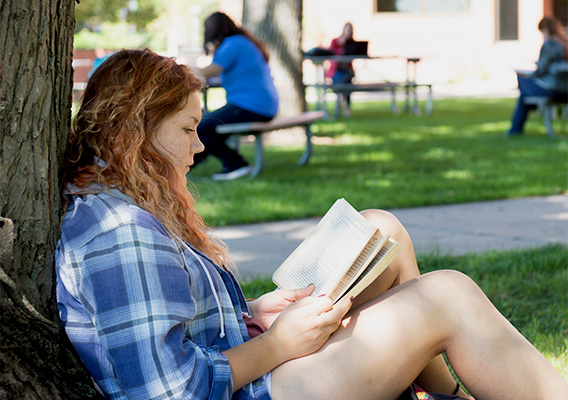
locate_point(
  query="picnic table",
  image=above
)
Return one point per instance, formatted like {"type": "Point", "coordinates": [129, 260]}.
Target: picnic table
{"type": "Point", "coordinates": [410, 85]}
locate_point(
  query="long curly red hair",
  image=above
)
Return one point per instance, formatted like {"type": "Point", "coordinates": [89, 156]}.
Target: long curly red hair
{"type": "Point", "coordinates": [125, 100]}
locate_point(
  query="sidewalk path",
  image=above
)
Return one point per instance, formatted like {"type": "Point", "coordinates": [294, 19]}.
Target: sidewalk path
{"type": "Point", "coordinates": [258, 249]}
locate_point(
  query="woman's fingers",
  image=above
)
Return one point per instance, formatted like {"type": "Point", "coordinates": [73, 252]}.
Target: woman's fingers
{"type": "Point", "coordinates": [305, 292]}
{"type": "Point", "coordinates": [307, 324]}
{"type": "Point", "coordinates": [315, 305]}
{"type": "Point", "coordinates": [297, 294]}
{"type": "Point", "coordinates": [343, 306]}
{"type": "Point", "coordinates": [332, 317]}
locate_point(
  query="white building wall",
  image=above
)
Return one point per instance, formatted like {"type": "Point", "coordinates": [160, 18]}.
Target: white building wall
{"type": "Point", "coordinates": [453, 47]}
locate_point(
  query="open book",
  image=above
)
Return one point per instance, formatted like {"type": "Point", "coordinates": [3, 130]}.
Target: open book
{"type": "Point", "coordinates": [343, 255]}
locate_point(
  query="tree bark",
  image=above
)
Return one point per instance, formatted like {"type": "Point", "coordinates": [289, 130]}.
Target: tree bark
{"type": "Point", "coordinates": [35, 112]}
{"type": "Point", "coordinates": [278, 23]}
{"type": "Point", "coordinates": [36, 47]}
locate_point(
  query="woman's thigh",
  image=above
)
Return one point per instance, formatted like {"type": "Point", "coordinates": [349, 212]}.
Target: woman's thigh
{"type": "Point", "coordinates": [380, 349]}
{"type": "Point", "coordinates": [209, 121]}
{"type": "Point", "coordinates": [528, 87]}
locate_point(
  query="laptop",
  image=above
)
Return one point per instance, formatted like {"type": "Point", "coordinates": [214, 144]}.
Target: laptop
{"type": "Point", "coordinates": [354, 48]}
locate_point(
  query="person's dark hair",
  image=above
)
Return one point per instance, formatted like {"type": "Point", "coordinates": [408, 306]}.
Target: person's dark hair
{"type": "Point", "coordinates": [555, 30]}
{"type": "Point", "coordinates": [219, 26]}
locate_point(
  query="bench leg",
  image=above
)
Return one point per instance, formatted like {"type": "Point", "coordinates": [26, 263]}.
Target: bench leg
{"type": "Point", "coordinates": [308, 152]}
{"type": "Point", "coordinates": [324, 103]}
{"type": "Point", "coordinates": [407, 100]}
{"type": "Point", "coordinates": [233, 142]}
{"type": "Point", "coordinates": [258, 156]}
{"type": "Point", "coordinates": [430, 102]}
{"type": "Point", "coordinates": [548, 110]}
{"type": "Point", "coordinates": [321, 91]}
{"type": "Point", "coordinates": [394, 107]}
{"type": "Point", "coordinates": [337, 114]}
{"type": "Point", "coordinates": [415, 106]}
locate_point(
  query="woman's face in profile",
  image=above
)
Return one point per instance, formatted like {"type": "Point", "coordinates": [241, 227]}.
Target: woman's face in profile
{"type": "Point", "coordinates": [348, 31]}
{"type": "Point", "coordinates": [176, 136]}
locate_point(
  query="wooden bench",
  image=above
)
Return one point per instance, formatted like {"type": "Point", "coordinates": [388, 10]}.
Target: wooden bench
{"type": "Point", "coordinates": [348, 88]}
{"type": "Point", "coordinates": [259, 128]}
{"type": "Point", "coordinates": [548, 105]}
{"type": "Point", "coordinates": [409, 87]}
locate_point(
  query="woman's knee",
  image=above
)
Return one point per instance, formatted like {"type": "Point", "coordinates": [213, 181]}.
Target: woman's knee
{"type": "Point", "coordinates": [384, 220]}
{"type": "Point", "coordinates": [404, 266]}
{"type": "Point", "coordinates": [450, 286]}
{"type": "Point", "coordinates": [387, 222]}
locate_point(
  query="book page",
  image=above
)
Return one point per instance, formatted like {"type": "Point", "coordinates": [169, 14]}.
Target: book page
{"type": "Point", "coordinates": [358, 266]}
{"type": "Point", "coordinates": [383, 259]}
{"type": "Point", "coordinates": [326, 254]}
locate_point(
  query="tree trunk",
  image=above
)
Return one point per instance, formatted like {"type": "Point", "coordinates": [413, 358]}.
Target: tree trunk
{"type": "Point", "coordinates": [278, 23]}
{"type": "Point", "coordinates": [35, 112]}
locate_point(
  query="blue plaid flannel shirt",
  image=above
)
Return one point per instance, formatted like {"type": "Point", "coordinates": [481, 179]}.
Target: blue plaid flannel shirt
{"type": "Point", "coordinates": [139, 307]}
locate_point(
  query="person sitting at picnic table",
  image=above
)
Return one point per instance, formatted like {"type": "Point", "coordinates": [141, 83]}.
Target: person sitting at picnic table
{"type": "Point", "coordinates": [545, 80]}
{"type": "Point", "coordinates": [241, 60]}
{"type": "Point", "coordinates": [342, 72]}
{"type": "Point", "coordinates": [147, 297]}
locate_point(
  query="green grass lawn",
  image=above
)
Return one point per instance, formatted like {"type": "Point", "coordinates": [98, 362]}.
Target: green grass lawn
{"type": "Point", "coordinates": [529, 287]}
{"type": "Point", "coordinates": [377, 159]}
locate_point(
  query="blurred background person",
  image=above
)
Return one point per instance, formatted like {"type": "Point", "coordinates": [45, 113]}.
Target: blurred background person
{"type": "Point", "coordinates": [241, 61]}
{"type": "Point", "coordinates": [546, 80]}
{"type": "Point", "coordinates": [101, 55]}
{"type": "Point", "coordinates": [342, 72]}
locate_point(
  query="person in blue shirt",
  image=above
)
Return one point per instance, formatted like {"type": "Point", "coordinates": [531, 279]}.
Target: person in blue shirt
{"type": "Point", "coordinates": [545, 80]}
{"type": "Point", "coordinates": [241, 61]}
{"type": "Point", "coordinates": [147, 297]}
{"type": "Point", "coordinates": [101, 55]}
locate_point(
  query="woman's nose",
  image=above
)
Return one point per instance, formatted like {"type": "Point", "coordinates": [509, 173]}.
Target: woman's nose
{"type": "Point", "coordinates": [197, 147]}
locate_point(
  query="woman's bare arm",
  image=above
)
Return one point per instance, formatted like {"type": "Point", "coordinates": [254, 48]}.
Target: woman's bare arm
{"type": "Point", "coordinates": [301, 329]}
{"type": "Point", "coordinates": [208, 71]}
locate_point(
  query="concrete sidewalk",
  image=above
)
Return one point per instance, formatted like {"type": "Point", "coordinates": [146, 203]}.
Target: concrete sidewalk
{"type": "Point", "coordinates": [258, 249]}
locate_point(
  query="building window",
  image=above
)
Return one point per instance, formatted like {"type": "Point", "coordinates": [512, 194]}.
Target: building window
{"type": "Point", "coordinates": [422, 6]}
{"type": "Point", "coordinates": [507, 23]}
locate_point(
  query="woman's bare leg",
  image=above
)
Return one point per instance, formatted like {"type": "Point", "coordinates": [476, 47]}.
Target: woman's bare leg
{"type": "Point", "coordinates": [386, 343]}
{"type": "Point", "coordinates": [436, 376]}
{"type": "Point", "coordinates": [403, 268]}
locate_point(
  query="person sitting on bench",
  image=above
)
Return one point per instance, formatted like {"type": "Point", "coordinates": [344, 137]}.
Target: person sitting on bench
{"type": "Point", "coordinates": [542, 82]}
{"type": "Point", "coordinates": [342, 72]}
{"type": "Point", "coordinates": [241, 60]}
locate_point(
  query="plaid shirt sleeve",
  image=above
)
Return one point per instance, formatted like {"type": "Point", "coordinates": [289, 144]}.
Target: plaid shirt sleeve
{"type": "Point", "coordinates": [131, 282]}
